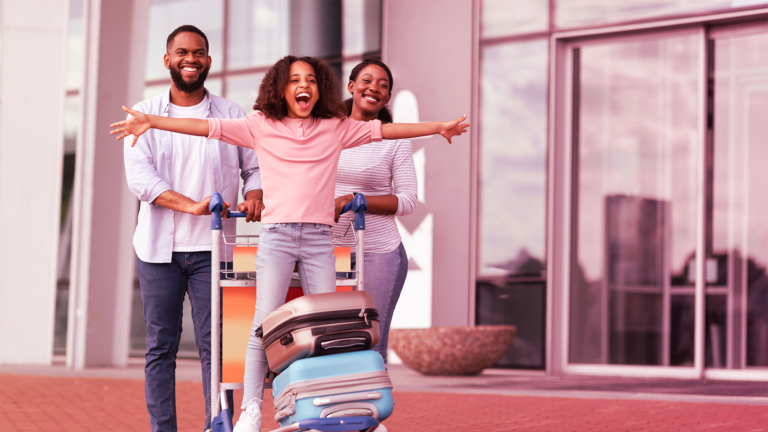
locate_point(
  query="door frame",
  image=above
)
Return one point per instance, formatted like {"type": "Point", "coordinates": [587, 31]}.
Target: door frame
{"type": "Point", "coordinates": [560, 189]}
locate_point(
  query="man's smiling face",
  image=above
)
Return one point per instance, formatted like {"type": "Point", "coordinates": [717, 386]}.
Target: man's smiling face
{"type": "Point", "coordinates": [188, 61]}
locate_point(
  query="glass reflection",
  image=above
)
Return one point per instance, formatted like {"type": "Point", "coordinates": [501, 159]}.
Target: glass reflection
{"type": "Point", "coordinates": [513, 159]}
{"type": "Point", "coordinates": [257, 32]}
{"type": "Point", "coordinates": [635, 206]}
{"type": "Point", "coordinates": [362, 26]}
{"type": "Point", "coordinates": [522, 305]}
{"type": "Point", "coordinates": [166, 15]}
{"type": "Point", "coordinates": [578, 13]}
{"type": "Point", "coordinates": [739, 201]}
{"type": "Point", "coordinates": [506, 17]}
{"type": "Point", "coordinates": [243, 90]}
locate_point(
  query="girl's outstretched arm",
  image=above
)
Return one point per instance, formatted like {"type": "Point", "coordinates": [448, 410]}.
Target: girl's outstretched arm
{"type": "Point", "coordinates": [140, 123]}
{"type": "Point", "coordinates": [447, 129]}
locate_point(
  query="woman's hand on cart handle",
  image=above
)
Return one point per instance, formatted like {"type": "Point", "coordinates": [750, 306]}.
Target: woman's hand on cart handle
{"type": "Point", "coordinates": [340, 203]}
{"type": "Point", "coordinates": [253, 205]}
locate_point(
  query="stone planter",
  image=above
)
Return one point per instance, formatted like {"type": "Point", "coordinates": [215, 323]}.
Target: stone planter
{"type": "Point", "coordinates": [451, 350]}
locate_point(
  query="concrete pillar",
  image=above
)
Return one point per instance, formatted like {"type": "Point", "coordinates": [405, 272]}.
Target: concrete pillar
{"type": "Point", "coordinates": [315, 28]}
{"type": "Point", "coordinates": [428, 46]}
{"type": "Point", "coordinates": [34, 35]}
{"type": "Point", "coordinates": [104, 210]}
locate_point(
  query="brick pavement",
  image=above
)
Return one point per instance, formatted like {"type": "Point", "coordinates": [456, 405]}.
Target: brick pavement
{"type": "Point", "coordinates": [35, 403]}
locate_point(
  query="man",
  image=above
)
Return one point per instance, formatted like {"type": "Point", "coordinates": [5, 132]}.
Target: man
{"type": "Point", "coordinates": [174, 176]}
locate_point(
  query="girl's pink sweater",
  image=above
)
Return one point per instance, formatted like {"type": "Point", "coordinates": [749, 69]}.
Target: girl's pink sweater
{"type": "Point", "coordinates": [298, 160]}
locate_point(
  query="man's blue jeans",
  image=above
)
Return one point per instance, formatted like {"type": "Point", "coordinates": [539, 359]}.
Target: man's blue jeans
{"type": "Point", "coordinates": [163, 288]}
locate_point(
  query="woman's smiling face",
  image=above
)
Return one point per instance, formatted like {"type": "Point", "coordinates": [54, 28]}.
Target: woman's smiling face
{"type": "Point", "coordinates": [301, 92]}
{"type": "Point", "coordinates": [370, 91]}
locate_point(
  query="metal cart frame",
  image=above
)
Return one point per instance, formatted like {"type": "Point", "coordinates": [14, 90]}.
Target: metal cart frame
{"type": "Point", "coordinates": [216, 206]}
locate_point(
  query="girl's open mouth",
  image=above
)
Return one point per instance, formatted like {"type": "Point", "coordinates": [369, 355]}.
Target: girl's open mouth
{"type": "Point", "coordinates": [302, 100]}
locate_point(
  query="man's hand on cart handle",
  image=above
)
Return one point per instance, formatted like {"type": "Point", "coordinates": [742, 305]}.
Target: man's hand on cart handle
{"type": "Point", "coordinates": [201, 208]}
{"type": "Point", "coordinates": [253, 205]}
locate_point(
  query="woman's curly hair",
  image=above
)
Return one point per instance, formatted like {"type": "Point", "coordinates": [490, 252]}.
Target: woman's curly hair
{"type": "Point", "coordinates": [271, 102]}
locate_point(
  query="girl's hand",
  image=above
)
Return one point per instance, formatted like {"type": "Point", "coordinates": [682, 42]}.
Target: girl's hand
{"type": "Point", "coordinates": [136, 125]}
{"type": "Point", "coordinates": [453, 128]}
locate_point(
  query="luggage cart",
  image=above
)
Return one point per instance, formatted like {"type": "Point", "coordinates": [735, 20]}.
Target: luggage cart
{"type": "Point", "coordinates": [233, 278]}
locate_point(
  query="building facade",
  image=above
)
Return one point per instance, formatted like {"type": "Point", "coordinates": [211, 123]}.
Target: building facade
{"type": "Point", "coordinates": [613, 144]}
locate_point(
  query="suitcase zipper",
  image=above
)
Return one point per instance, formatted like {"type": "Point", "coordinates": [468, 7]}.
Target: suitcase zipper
{"type": "Point", "coordinates": [319, 318]}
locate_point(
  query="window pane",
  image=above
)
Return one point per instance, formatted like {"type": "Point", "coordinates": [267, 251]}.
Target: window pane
{"type": "Point", "coordinates": [635, 206]}
{"type": "Point", "coordinates": [513, 158]}
{"type": "Point", "coordinates": [509, 17]}
{"type": "Point", "coordinates": [167, 15]}
{"type": "Point", "coordinates": [362, 26]}
{"type": "Point", "coordinates": [243, 90]}
{"type": "Point", "coordinates": [578, 13]}
{"type": "Point", "coordinates": [740, 198]}
{"type": "Point", "coordinates": [258, 33]}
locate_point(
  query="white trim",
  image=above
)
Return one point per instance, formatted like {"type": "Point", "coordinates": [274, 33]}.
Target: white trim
{"type": "Point", "coordinates": [699, 298]}
{"type": "Point", "coordinates": [550, 210]}
{"type": "Point", "coordinates": [676, 372]}
{"type": "Point", "coordinates": [736, 374]}
{"type": "Point", "coordinates": [513, 372]}
{"type": "Point", "coordinates": [474, 164]}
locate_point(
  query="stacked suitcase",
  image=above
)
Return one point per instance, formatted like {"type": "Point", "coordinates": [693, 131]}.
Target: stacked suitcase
{"type": "Point", "coordinates": [320, 345]}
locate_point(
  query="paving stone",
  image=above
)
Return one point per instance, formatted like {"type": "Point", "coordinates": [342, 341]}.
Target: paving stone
{"type": "Point", "coordinates": [41, 404]}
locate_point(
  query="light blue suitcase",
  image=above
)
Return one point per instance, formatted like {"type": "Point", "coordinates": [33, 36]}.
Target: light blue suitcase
{"type": "Point", "coordinates": [342, 385]}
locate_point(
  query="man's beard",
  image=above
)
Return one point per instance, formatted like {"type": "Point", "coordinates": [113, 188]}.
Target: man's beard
{"type": "Point", "coordinates": [185, 86]}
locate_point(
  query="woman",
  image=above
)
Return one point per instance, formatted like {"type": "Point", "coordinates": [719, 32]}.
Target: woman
{"type": "Point", "coordinates": [384, 172]}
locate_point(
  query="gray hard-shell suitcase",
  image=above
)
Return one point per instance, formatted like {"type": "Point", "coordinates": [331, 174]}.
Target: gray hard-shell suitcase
{"type": "Point", "coordinates": [317, 325]}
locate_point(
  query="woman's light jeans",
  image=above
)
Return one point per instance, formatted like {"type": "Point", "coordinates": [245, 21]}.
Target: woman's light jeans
{"type": "Point", "coordinates": [281, 247]}
{"type": "Point", "coordinates": [384, 279]}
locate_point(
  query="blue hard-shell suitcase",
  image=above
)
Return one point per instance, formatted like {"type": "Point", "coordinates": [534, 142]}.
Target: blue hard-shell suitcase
{"type": "Point", "coordinates": [342, 385]}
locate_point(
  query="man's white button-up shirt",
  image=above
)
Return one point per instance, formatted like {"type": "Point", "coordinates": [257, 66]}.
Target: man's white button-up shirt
{"type": "Point", "coordinates": [148, 170]}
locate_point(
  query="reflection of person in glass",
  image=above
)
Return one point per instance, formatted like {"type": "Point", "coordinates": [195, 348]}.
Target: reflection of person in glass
{"type": "Point", "coordinates": [385, 173]}
{"type": "Point", "coordinates": [174, 181]}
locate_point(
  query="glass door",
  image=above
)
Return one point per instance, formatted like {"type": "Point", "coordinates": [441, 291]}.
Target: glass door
{"type": "Point", "coordinates": [737, 199]}
{"type": "Point", "coordinates": [668, 163]}
{"type": "Point", "coordinates": [636, 148]}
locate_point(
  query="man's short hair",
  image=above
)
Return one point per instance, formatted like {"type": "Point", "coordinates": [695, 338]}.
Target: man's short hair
{"type": "Point", "coordinates": [189, 29]}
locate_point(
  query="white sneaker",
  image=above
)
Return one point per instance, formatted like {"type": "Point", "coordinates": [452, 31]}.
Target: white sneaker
{"type": "Point", "coordinates": [250, 418]}
{"type": "Point", "coordinates": [381, 428]}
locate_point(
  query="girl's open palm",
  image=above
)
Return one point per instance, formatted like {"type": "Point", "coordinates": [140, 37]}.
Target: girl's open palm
{"type": "Point", "coordinates": [454, 128]}
{"type": "Point", "coordinates": [136, 125]}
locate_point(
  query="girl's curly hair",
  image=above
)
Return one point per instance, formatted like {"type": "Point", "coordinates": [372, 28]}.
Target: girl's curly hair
{"type": "Point", "coordinates": [271, 102]}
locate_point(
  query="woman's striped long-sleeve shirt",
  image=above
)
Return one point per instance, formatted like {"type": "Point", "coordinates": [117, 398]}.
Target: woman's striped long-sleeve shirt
{"type": "Point", "coordinates": [375, 169]}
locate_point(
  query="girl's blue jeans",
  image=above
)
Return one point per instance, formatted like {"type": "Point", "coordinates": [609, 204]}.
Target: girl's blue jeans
{"type": "Point", "coordinates": [281, 247]}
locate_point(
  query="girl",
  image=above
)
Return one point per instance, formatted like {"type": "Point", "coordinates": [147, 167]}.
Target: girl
{"type": "Point", "coordinates": [297, 130]}
{"type": "Point", "coordinates": [385, 173]}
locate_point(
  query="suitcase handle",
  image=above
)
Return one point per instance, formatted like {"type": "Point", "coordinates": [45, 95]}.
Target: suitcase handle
{"type": "Point", "coordinates": [359, 206]}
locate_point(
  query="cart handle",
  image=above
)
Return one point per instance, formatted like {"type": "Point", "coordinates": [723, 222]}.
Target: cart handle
{"type": "Point", "coordinates": [359, 206]}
